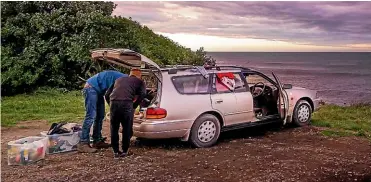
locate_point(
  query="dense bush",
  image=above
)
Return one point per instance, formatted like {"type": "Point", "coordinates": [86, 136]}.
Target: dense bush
{"type": "Point", "coordinates": [48, 43]}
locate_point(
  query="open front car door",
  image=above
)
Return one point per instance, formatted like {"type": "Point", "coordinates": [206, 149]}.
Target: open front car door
{"type": "Point", "coordinates": [283, 102]}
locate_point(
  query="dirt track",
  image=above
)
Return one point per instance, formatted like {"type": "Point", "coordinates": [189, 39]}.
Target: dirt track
{"type": "Point", "coordinates": [259, 154]}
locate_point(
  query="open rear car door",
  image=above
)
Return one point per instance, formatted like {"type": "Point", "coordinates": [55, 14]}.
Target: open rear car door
{"type": "Point", "coordinates": [283, 102]}
{"type": "Point", "coordinates": [130, 59]}
{"type": "Point", "coordinates": [124, 57]}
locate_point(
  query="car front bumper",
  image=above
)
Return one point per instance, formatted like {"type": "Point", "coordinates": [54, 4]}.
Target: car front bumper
{"type": "Point", "coordinates": [317, 104]}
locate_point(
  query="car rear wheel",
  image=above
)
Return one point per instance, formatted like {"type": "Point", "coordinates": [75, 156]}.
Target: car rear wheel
{"type": "Point", "coordinates": [205, 131]}
{"type": "Point", "coordinates": [302, 113]}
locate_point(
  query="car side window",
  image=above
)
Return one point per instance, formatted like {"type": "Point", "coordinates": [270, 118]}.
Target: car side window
{"type": "Point", "coordinates": [240, 84]}
{"type": "Point", "coordinates": [191, 84]}
{"type": "Point", "coordinates": [253, 79]}
{"type": "Point", "coordinates": [228, 83]}
{"type": "Point", "coordinates": [221, 88]}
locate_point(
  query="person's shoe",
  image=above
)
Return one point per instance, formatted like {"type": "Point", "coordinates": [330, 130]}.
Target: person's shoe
{"type": "Point", "coordinates": [126, 154]}
{"type": "Point", "coordinates": [101, 145]}
{"type": "Point", "coordinates": [117, 155]}
{"type": "Point", "coordinates": [121, 155]}
{"type": "Point", "coordinates": [85, 148]}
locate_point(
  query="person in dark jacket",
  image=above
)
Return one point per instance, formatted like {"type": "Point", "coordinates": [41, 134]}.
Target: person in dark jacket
{"type": "Point", "coordinates": [124, 97]}
{"type": "Point", "coordinates": [93, 92]}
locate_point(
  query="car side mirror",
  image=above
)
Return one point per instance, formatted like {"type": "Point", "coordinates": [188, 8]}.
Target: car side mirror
{"type": "Point", "coordinates": [287, 86]}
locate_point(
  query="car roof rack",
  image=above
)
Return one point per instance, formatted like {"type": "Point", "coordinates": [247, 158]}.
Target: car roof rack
{"type": "Point", "coordinates": [224, 67]}
{"type": "Point", "coordinates": [173, 69]}
{"type": "Point", "coordinates": [178, 67]}
{"type": "Point", "coordinates": [202, 70]}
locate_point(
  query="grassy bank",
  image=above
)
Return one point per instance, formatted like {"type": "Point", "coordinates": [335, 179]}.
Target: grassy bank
{"type": "Point", "coordinates": [344, 120]}
{"type": "Point", "coordinates": [54, 106]}
{"type": "Point", "coordinates": [50, 105]}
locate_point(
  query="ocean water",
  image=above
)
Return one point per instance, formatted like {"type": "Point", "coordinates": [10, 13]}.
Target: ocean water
{"type": "Point", "coordinates": [339, 77]}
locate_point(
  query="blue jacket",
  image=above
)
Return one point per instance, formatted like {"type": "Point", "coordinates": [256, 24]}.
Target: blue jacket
{"type": "Point", "coordinates": [104, 80]}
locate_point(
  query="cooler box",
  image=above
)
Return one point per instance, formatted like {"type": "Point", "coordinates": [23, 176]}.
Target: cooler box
{"type": "Point", "coordinates": [65, 142]}
{"type": "Point", "coordinates": [26, 150]}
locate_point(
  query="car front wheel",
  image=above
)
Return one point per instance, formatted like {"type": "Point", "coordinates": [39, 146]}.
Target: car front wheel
{"type": "Point", "coordinates": [205, 131]}
{"type": "Point", "coordinates": [302, 113]}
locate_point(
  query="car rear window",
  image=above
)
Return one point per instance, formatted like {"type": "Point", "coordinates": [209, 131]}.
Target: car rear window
{"type": "Point", "coordinates": [191, 84]}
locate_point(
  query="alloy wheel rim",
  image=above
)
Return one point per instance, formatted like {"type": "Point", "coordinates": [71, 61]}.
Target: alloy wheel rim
{"type": "Point", "coordinates": [206, 131]}
{"type": "Point", "coordinates": [303, 113]}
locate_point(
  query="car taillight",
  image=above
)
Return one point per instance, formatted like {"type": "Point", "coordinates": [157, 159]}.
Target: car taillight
{"type": "Point", "coordinates": [155, 113]}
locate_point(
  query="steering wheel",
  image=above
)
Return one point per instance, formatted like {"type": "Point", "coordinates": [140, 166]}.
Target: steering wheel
{"type": "Point", "coordinates": [258, 92]}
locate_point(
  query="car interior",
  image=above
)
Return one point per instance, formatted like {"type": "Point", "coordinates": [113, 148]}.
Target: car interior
{"type": "Point", "coordinates": [151, 83]}
{"type": "Point", "coordinates": [265, 95]}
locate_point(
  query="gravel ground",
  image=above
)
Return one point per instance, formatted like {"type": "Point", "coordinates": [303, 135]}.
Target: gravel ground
{"type": "Point", "coordinates": [257, 154]}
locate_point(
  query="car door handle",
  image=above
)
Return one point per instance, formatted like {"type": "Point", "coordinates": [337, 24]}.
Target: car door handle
{"type": "Point", "coordinates": [219, 101]}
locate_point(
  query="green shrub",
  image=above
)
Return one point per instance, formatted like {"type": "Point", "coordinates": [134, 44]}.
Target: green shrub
{"type": "Point", "coordinates": [48, 43]}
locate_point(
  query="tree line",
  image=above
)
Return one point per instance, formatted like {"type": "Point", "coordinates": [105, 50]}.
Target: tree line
{"type": "Point", "coordinates": [46, 44]}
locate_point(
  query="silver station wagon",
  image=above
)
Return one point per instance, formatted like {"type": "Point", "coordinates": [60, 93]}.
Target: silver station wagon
{"type": "Point", "coordinates": [197, 103]}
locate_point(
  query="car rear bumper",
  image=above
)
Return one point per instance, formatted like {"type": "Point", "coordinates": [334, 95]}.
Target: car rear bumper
{"type": "Point", "coordinates": [162, 134]}
{"type": "Point", "coordinates": [157, 129]}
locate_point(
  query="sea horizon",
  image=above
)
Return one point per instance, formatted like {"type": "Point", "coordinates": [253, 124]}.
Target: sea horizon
{"type": "Point", "coordinates": [340, 78]}
{"type": "Point", "coordinates": [289, 51]}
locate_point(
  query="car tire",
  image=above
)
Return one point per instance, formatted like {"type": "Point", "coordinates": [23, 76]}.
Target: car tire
{"type": "Point", "coordinates": [302, 113]}
{"type": "Point", "coordinates": [205, 131]}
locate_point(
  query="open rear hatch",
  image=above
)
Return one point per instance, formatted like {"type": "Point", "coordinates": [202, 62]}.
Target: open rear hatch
{"type": "Point", "coordinates": [130, 59]}
{"type": "Point", "coordinates": [124, 57]}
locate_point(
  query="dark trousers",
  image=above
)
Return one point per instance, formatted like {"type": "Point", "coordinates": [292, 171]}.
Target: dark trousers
{"type": "Point", "coordinates": [121, 112]}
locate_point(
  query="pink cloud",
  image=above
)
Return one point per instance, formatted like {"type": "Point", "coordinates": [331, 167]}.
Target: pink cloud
{"type": "Point", "coordinates": [320, 23]}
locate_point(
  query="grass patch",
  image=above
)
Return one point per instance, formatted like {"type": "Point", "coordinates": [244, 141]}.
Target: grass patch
{"type": "Point", "coordinates": [49, 104]}
{"type": "Point", "coordinates": [344, 120]}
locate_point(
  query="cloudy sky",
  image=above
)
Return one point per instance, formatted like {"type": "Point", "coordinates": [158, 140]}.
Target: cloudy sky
{"type": "Point", "coordinates": [257, 26]}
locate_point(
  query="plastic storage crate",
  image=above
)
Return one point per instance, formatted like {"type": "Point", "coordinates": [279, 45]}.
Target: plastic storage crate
{"type": "Point", "coordinates": [26, 150]}
{"type": "Point", "coordinates": [58, 143]}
